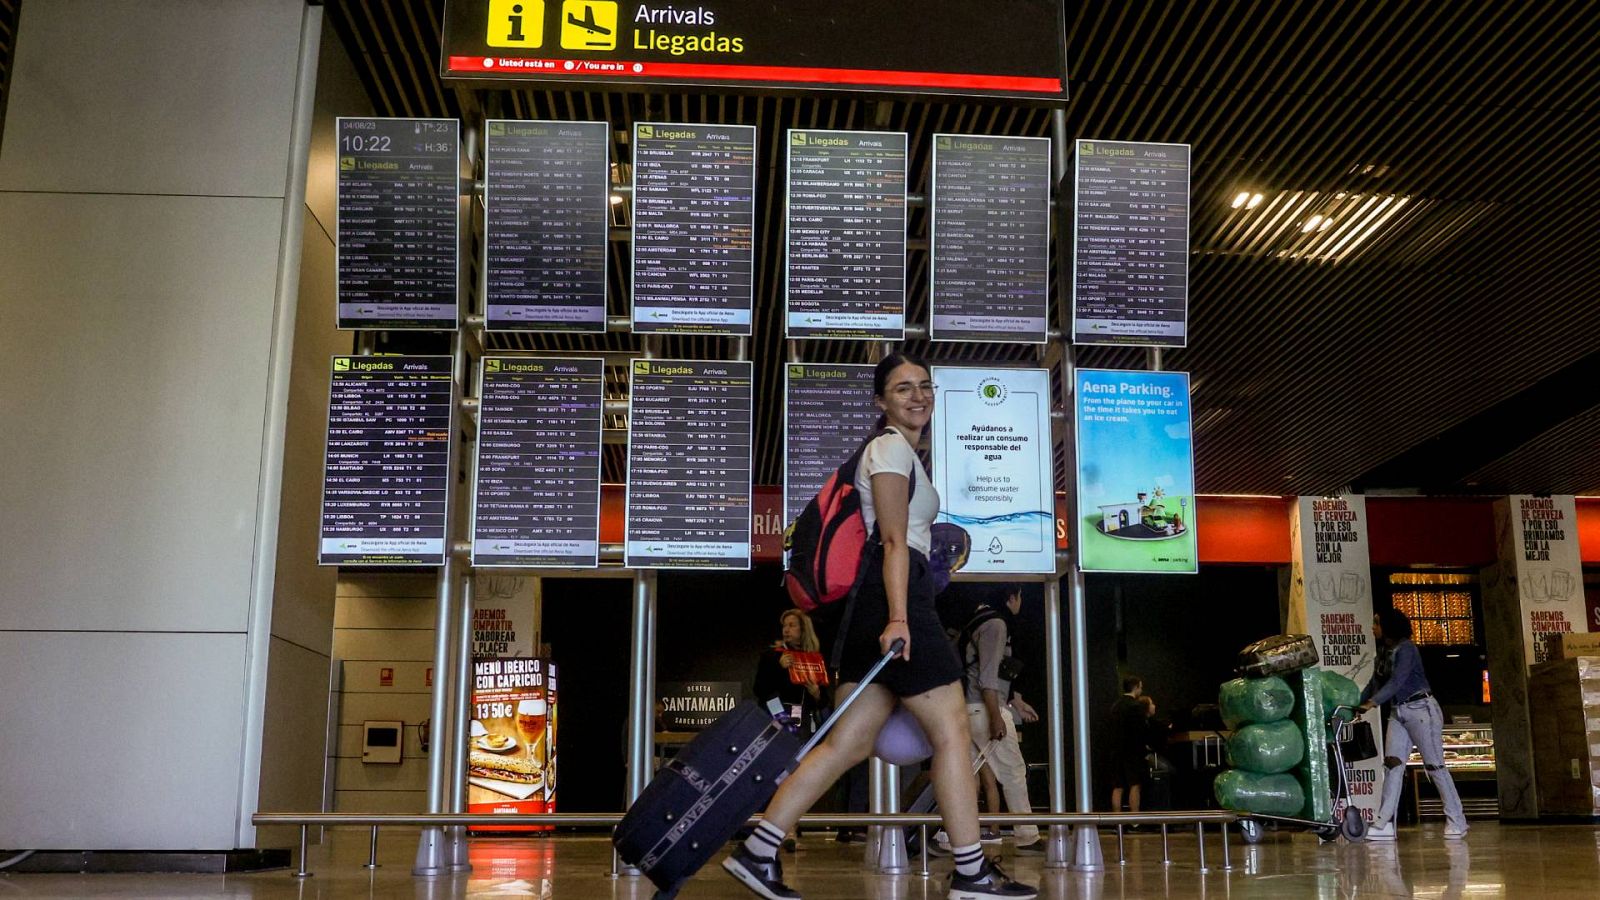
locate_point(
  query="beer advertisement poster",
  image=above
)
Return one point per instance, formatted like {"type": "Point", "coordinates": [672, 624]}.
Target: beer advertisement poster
{"type": "Point", "coordinates": [511, 757]}
{"type": "Point", "coordinates": [1136, 510]}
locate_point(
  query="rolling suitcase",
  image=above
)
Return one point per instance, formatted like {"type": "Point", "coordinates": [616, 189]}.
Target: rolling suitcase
{"type": "Point", "coordinates": [714, 785]}
{"type": "Point", "coordinates": [1277, 654]}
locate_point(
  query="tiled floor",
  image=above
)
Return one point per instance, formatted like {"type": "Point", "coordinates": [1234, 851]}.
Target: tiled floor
{"type": "Point", "coordinates": [1543, 862]}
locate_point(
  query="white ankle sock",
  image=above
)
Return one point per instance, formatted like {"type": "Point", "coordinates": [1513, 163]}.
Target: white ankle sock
{"type": "Point", "coordinates": [969, 859]}
{"type": "Point", "coordinates": [765, 840]}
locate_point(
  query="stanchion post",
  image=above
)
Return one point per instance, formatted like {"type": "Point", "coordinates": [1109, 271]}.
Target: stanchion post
{"type": "Point", "coordinates": [1227, 855]}
{"type": "Point", "coordinates": [302, 872]}
{"type": "Point", "coordinates": [1122, 850]}
{"type": "Point", "coordinates": [372, 850]}
{"type": "Point", "coordinates": [1200, 837]}
{"type": "Point", "coordinates": [1166, 851]}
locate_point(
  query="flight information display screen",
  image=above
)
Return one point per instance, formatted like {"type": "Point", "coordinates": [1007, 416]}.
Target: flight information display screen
{"type": "Point", "coordinates": [537, 500]}
{"type": "Point", "coordinates": [689, 447]}
{"type": "Point", "coordinates": [547, 200]}
{"type": "Point", "coordinates": [694, 209]}
{"type": "Point", "coordinates": [827, 413]}
{"type": "Point", "coordinates": [846, 232]}
{"type": "Point", "coordinates": [397, 235]}
{"type": "Point", "coordinates": [991, 239]}
{"type": "Point", "coordinates": [1130, 252]}
{"type": "Point", "coordinates": [386, 467]}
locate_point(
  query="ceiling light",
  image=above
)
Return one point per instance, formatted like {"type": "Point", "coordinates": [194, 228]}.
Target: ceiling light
{"type": "Point", "coordinates": [1325, 224]}
{"type": "Point", "coordinates": [1311, 224]}
{"type": "Point", "coordinates": [616, 199]}
{"type": "Point", "coordinates": [1242, 198]}
{"type": "Point", "coordinates": [1255, 201]}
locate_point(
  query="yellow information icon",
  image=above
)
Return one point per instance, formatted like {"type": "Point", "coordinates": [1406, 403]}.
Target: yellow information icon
{"type": "Point", "coordinates": [515, 23]}
{"type": "Point", "coordinates": [588, 24]}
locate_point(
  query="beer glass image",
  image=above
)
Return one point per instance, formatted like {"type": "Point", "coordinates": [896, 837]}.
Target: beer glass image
{"type": "Point", "coordinates": [1350, 587]}
{"type": "Point", "coordinates": [1560, 584]}
{"type": "Point", "coordinates": [530, 724]}
{"type": "Point", "coordinates": [1322, 588]}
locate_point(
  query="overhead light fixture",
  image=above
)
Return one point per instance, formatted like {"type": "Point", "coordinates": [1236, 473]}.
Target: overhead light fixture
{"type": "Point", "coordinates": [1311, 224]}
{"type": "Point", "coordinates": [1255, 201]}
{"type": "Point", "coordinates": [1241, 199]}
{"type": "Point", "coordinates": [616, 199]}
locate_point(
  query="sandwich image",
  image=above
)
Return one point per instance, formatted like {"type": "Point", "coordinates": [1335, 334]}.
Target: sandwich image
{"type": "Point", "coordinates": [516, 769]}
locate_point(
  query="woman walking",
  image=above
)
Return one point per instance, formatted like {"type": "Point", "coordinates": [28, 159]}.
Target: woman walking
{"type": "Point", "coordinates": [894, 602]}
{"type": "Point", "coordinates": [1414, 718]}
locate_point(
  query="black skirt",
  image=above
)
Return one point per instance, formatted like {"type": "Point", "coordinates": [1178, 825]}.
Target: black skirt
{"type": "Point", "coordinates": [933, 660]}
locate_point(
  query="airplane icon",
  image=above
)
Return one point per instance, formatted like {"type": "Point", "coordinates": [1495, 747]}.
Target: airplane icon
{"type": "Point", "coordinates": [589, 25]}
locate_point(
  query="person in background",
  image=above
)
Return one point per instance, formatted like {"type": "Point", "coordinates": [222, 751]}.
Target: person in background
{"type": "Point", "coordinates": [802, 699]}
{"type": "Point", "coordinates": [986, 650]}
{"type": "Point", "coordinates": [1130, 733]}
{"type": "Point", "coordinates": [892, 614]}
{"type": "Point", "coordinates": [1400, 685]}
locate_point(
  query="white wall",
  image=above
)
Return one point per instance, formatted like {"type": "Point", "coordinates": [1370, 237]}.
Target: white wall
{"type": "Point", "coordinates": [144, 181]}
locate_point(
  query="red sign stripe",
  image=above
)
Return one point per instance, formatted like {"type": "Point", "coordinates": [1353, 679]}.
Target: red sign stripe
{"type": "Point", "coordinates": [791, 74]}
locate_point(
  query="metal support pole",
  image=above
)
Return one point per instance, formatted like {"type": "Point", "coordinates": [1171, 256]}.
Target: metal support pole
{"type": "Point", "coordinates": [432, 858]}
{"type": "Point", "coordinates": [886, 844]}
{"type": "Point", "coordinates": [301, 872]}
{"type": "Point", "coordinates": [460, 725]}
{"type": "Point", "coordinates": [1154, 358]}
{"type": "Point", "coordinates": [1057, 852]}
{"type": "Point", "coordinates": [641, 687]}
{"type": "Point", "coordinates": [922, 842]}
{"type": "Point", "coordinates": [1166, 851]}
{"type": "Point", "coordinates": [1200, 837]}
{"type": "Point", "coordinates": [372, 850]}
{"type": "Point", "coordinates": [1122, 848]}
{"type": "Point", "coordinates": [1086, 854]}
{"type": "Point", "coordinates": [1227, 855]}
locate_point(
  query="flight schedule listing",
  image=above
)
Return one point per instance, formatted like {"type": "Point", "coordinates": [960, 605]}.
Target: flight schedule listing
{"type": "Point", "coordinates": [399, 188]}
{"type": "Point", "coordinates": [991, 238]}
{"type": "Point", "coordinates": [846, 232]}
{"type": "Point", "coordinates": [694, 208]}
{"type": "Point", "coordinates": [1130, 253]}
{"type": "Point", "coordinates": [689, 442]}
{"type": "Point", "coordinates": [386, 468]}
{"type": "Point", "coordinates": [547, 196]}
{"type": "Point", "coordinates": [828, 412]}
{"type": "Point", "coordinates": [538, 466]}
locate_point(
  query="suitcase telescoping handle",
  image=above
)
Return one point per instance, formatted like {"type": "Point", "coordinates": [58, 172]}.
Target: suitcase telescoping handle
{"type": "Point", "coordinates": [822, 732]}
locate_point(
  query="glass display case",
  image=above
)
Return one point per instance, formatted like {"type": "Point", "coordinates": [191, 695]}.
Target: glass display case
{"type": "Point", "coordinates": [1469, 756]}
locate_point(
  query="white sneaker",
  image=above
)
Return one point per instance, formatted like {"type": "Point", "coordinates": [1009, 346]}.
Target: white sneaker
{"type": "Point", "coordinates": [1455, 834]}
{"type": "Point", "coordinates": [1383, 832]}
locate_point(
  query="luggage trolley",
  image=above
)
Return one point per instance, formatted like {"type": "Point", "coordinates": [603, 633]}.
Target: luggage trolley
{"type": "Point", "coordinates": [1350, 741]}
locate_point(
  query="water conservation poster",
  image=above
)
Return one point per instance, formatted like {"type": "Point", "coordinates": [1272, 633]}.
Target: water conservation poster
{"type": "Point", "coordinates": [992, 465]}
{"type": "Point", "coordinates": [1135, 472]}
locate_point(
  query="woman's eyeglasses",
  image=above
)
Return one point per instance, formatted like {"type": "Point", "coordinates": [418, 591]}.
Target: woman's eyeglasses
{"type": "Point", "coordinates": [907, 388]}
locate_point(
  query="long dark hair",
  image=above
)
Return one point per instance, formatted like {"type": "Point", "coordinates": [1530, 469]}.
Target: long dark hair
{"type": "Point", "coordinates": [880, 377]}
{"type": "Point", "coordinates": [1396, 625]}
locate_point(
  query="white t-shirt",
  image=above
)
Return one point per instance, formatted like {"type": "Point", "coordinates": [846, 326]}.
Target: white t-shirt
{"type": "Point", "coordinates": [891, 452]}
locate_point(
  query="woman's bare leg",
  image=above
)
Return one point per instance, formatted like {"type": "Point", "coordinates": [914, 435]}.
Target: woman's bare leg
{"type": "Point", "coordinates": [942, 713]}
{"type": "Point", "coordinates": [848, 743]}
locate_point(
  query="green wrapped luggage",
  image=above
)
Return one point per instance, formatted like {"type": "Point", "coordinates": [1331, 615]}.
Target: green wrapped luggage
{"type": "Point", "coordinates": [1255, 700]}
{"type": "Point", "coordinates": [1269, 749]}
{"type": "Point", "coordinates": [1252, 792]}
{"type": "Point", "coordinates": [1337, 690]}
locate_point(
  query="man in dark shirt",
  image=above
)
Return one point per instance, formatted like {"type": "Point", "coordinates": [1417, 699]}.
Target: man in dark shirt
{"type": "Point", "coordinates": [1129, 733]}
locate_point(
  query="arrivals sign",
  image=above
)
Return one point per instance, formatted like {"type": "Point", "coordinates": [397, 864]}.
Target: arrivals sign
{"type": "Point", "coordinates": [992, 465]}
{"type": "Point", "coordinates": [846, 234]}
{"type": "Point", "coordinates": [694, 215]}
{"type": "Point", "coordinates": [386, 464]}
{"type": "Point", "coordinates": [689, 444]}
{"type": "Point", "coordinates": [827, 413]}
{"type": "Point", "coordinates": [397, 230]}
{"type": "Point", "coordinates": [537, 497]}
{"type": "Point", "coordinates": [1130, 244]}
{"type": "Point", "coordinates": [1539, 536]}
{"type": "Point", "coordinates": [1330, 598]}
{"type": "Point", "coordinates": [1136, 509]}
{"type": "Point", "coordinates": [1003, 48]}
{"type": "Point", "coordinates": [991, 238]}
{"type": "Point", "coordinates": [547, 202]}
